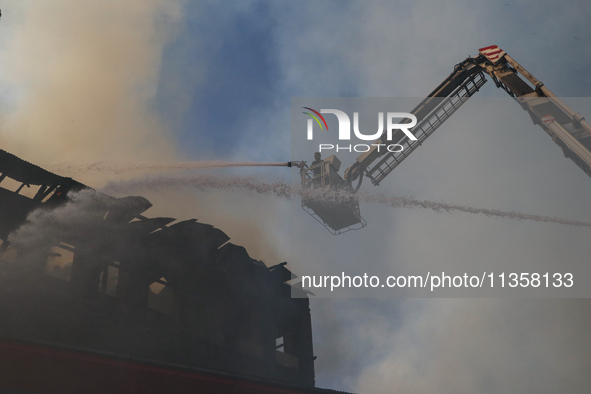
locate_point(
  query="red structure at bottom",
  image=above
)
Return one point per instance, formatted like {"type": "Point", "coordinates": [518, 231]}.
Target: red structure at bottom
{"type": "Point", "coordinates": [27, 368]}
{"type": "Point", "coordinates": [95, 297]}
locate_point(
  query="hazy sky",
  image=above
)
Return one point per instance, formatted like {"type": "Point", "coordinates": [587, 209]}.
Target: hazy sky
{"type": "Point", "coordinates": [146, 80]}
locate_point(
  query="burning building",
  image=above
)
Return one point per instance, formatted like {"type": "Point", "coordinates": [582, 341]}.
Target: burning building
{"type": "Point", "coordinates": [96, 297]}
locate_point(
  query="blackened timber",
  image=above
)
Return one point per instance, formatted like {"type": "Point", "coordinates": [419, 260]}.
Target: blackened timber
{"type": "Point", "coordinates": [146, 287]}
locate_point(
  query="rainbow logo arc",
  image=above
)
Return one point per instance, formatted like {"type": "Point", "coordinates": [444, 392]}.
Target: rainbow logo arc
{"type": "Point", "coordinates": [315, 118]}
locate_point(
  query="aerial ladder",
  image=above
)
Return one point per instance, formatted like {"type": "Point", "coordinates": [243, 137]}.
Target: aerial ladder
{"type": "Point", "coordinates": [331, 199]}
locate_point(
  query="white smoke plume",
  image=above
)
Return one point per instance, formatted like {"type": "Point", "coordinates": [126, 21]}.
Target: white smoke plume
{"type": "Point", "coordinates": [45, 228]}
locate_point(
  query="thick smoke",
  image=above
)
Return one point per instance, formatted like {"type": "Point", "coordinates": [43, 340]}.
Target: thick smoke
{"type": "Point", "coordinates": [454, 346]}
{"type": "Point", "coordinates": [79, 78]}
{"type": "Point", "coordinates": [92, 97]}
{"type": "Point", "coordinates": [77, 81]}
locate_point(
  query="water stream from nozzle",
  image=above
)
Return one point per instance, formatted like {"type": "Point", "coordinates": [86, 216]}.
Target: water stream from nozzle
{"type": "Point", "coordinates": [285, 190]}
{"type": "Point", "coordinates": [119, 168]}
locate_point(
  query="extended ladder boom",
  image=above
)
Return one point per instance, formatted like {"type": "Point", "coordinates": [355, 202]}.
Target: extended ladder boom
{"type": "Point", "coordinates": [567, 128]}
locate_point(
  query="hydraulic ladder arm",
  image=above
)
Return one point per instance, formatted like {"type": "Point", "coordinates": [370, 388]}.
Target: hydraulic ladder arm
{"type": "Point", "coordinates": [568, 129]}
{"type": "Point", "coordinates": [432, 112]}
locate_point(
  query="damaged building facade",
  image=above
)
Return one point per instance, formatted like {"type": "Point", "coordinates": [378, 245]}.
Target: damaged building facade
{"type": "Point", "coordinates": [86, 272]}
